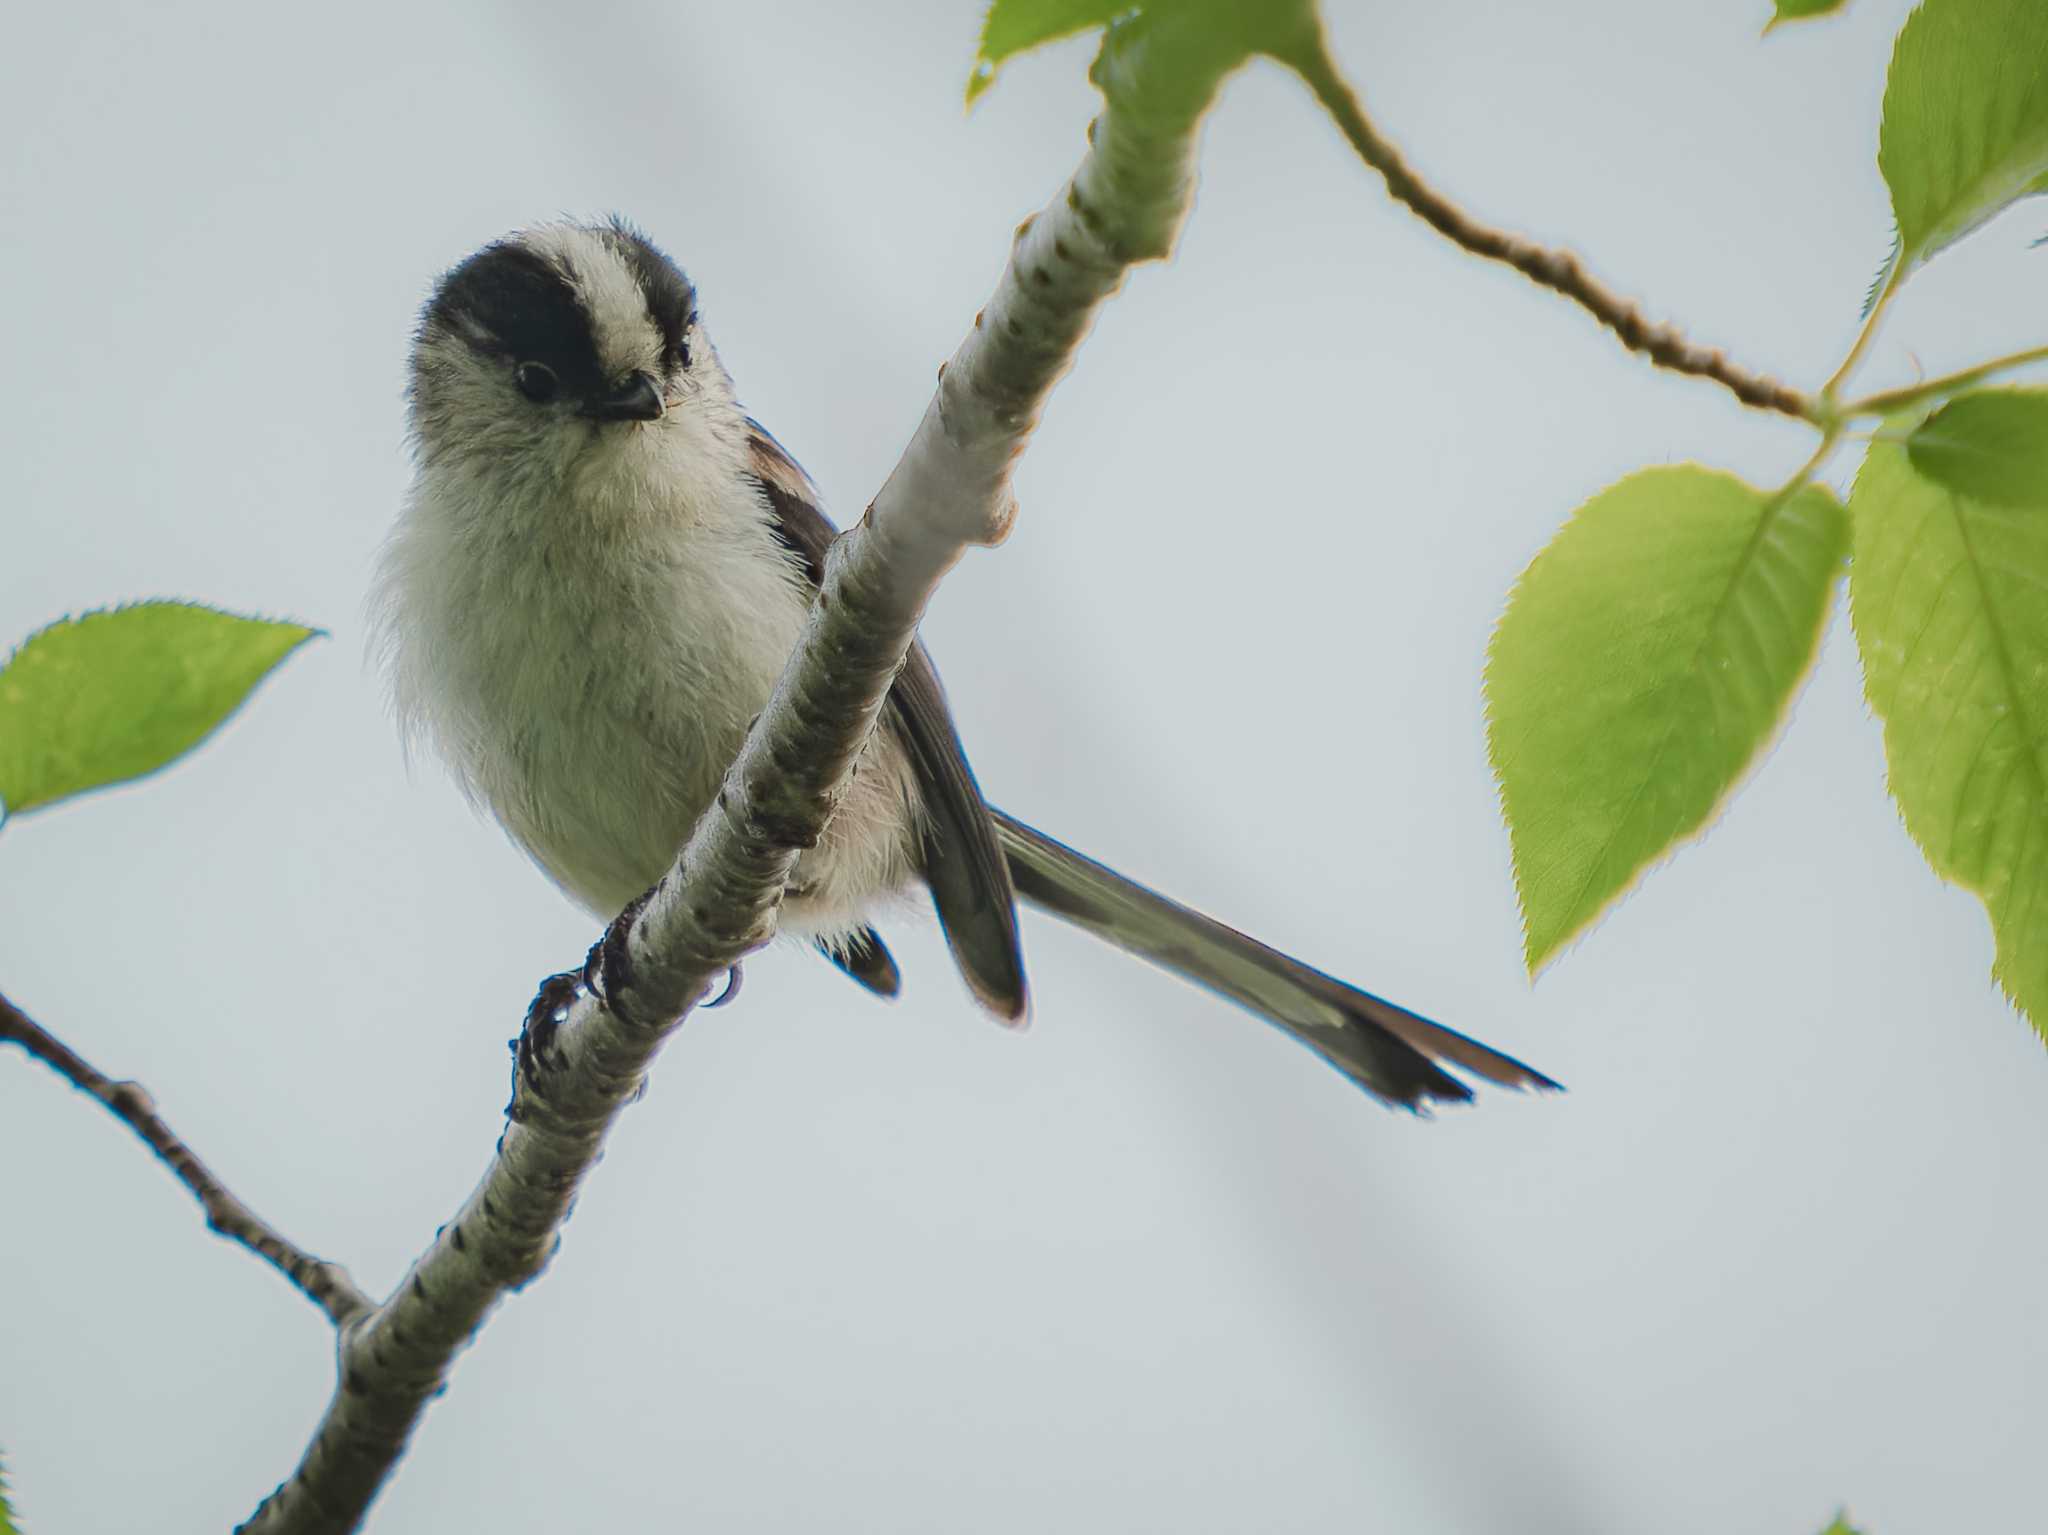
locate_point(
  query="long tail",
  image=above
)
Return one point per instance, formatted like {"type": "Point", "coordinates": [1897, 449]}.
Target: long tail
{"type": "Point", "coordinates": [1390, 1052]}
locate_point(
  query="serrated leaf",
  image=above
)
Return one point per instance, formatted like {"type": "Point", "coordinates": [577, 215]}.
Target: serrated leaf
{"type": "Point", "coordinates": [1017, 26]}
{"type": "Point", "coordinates": [1802, 10]}
{"type": "Point", "coordinates": [1965, 129]}
{"type": "Point", "coordinates": [1947, 597]}
{"type": "Point", "coordinates": [7, 1524]}
{"type": "Point", "coordinates": [1992, 445]}
{"type": "Point", "coordinates": [118, 694]}
{"type": "Point", "coordinates": [1881, 280]}
{"type": "Point", "coordinates": [1645, 658]}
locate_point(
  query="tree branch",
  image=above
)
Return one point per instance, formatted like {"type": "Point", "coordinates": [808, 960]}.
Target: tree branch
{"type": "Point", "coordinates": [950, 489]}
{"type": "Point", "coordinates": [326, 1285]}
{"type": "Point", "coordinates": [1666, 346]}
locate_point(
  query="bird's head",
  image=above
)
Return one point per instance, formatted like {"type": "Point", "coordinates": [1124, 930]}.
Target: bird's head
{"type": "Point", "coordinates": [565, 350]}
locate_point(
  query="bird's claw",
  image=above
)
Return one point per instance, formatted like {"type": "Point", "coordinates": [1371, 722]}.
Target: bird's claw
{"type": "Point", "coordinates": [608, 967]}
{"type": "Point", "coordinates": [733, 977]}
{"type": "Point", "coordinates": [534, 1050]}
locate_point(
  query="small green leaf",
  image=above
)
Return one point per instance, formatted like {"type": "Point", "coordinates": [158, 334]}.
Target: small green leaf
{"type": "Point", "coordinates": [1946, 594]}
{"type": "Point", "coordinates": [1841, 1526]}
{"type": "Point", "coordinates": [7, 1524]}
{"type": "Point", "coordinates": [1017, 26]}
{"type": "Point", "coordinates": [1241, 27]}
{"type": "Point", "coordinates": [1801, 10]}
{"type": "Point", "coordinates": [1992, 445]}
{"type": "Point", "coordinates": [1644, 660]}
{"type": "Point", "coordinates": [114, 695]}
{"type": "Point", "coordinates": [1965, 128]}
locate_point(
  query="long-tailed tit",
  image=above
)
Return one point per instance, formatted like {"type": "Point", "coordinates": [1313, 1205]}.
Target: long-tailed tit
{"type": "Point", "coordinates": [601, 569]}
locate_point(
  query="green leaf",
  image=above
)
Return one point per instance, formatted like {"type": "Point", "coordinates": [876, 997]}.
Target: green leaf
{"type": "Point", "coordinates": [111, 696]}
{"type": "Point", "coordinates": [1242, 27]}
{"type": "Point", "coordinates": [1841, 1526]}
{"type": "Point", "coordinates": [7, 1524]}
{"type": "Point", "coordinates": [1947, 596]}
{"type": "Point", "coordinates": [1965, 129]}
{"type": "Point", "coordinates": [1801, 10]}
{"type": "Point", "coordinates": [1991, 445]}
{"type": "Point", "coordinates": [1017, 26]}
{"type": "Point", "coordinates": [1645, 658]}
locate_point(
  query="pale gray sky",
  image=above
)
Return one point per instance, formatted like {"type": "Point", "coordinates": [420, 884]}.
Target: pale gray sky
{"type": "Point", "coordinates": [1148, 1266]}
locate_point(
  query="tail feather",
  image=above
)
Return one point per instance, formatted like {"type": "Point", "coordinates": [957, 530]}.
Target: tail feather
{"type": "Point", "coordinates": [867, 959]}
{"type": "Point", "coordinates": [1392, 1053]}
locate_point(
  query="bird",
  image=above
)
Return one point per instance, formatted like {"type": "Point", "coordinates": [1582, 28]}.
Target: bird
{"type": "Point", "coordinates": [595, 579]}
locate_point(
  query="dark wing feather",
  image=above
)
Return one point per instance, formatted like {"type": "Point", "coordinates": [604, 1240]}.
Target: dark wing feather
{"type": "Point", "coordinates": [963, 860]}
{"type": "Point", "coordinates": [864, 957]}
{"type": "Point", "coordinates": [964, 863]}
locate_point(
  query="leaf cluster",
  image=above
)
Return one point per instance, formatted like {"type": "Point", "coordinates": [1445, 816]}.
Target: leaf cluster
{"type": "Point", "coordinates": [1651, 652]}
{"type": "Point", "coordinates": [1653, 649]}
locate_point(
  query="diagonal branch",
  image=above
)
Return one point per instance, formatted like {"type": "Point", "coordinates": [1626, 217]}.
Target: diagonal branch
{"type": "Point", "coordinates": [951, 489]}
{"type": "Point", "coordinates": [1665, 345]}
{"type": "Point", "coordinates": [326, 1285]}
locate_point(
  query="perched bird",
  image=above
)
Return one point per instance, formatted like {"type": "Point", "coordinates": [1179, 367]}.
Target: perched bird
{"type": "Point", "coordinates": [601, 568]}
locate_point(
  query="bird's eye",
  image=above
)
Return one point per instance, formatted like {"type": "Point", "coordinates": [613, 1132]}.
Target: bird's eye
{"type": "Point", "coordinates": [537, 381]}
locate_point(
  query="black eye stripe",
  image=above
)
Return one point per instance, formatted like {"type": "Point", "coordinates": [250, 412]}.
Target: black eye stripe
{"type": "Point", "coordinates": [522, 310]}
{"type": "Point", "coordinates": [508, 300]}
{"type": "Point", "coordinates": [671, 300]}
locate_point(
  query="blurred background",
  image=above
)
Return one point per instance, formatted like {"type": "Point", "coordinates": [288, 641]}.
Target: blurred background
{"type": "Point", "coordinates": [852, 1266]}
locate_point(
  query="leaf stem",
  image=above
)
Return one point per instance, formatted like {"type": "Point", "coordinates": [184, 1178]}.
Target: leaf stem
{"type": "Point", "coordinates": [1807, 470]}
{"type": "Point", "coordinates": [1868, 333]}
{"type": "Point", "coordinates": [1889, 400]}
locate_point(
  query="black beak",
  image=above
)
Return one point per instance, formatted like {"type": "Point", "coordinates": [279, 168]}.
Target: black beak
{"type": "Point", "coordinates": [637, 399]}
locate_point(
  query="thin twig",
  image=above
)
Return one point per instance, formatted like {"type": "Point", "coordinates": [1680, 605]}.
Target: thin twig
{"type": "Point", "coordinates": [326, 1285]}
{"type": "Point", "coordinates": [1665, 345]}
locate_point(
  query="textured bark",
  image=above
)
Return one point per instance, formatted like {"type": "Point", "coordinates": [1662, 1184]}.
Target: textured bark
{"type": "Point", "coordinates": [950, 490]}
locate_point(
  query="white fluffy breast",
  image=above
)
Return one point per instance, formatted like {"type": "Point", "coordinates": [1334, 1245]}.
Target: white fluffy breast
{"type": "Point", "coordinates": [586, 642]}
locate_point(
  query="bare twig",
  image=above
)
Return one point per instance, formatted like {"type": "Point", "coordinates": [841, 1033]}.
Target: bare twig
{"type": "Point", "coordinates": [1308, 55]}
{"type": "Point", "coordinates": [326, 1285]}
{"type": "Point", "coordinates": [950, 490]}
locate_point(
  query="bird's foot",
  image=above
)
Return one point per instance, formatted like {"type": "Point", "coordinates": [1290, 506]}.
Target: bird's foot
{"type": "Point", "coordinates": [533, 1052]}
{"type": "Point", "coordinates": [608, 967]}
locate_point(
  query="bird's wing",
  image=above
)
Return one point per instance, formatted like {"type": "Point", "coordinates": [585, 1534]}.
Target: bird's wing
{"type": "Point", "coordinates": [964, 863]}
